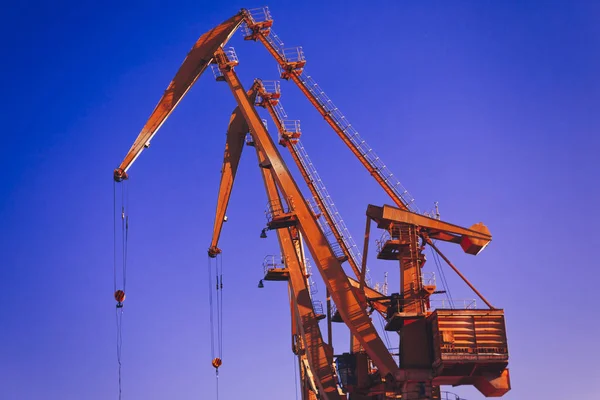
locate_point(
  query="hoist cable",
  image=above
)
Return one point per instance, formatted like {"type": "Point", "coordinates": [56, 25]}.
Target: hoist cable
{"type": "Point", "coordinates": [445, 280]}
{"type": "Point", "coordinates": [119, 315]}
{"type": "Point", "coordinates": [114, 217]}
{"type": "Point", "coordinates": [217, 382]}
{"type": "Point", "coordinates": [440, 269]}
{"type": "Point", "coordinates": [119, 294]}
{"type": "Point", "coordinates": [210, 305]}
{"type": "Point", "coordinates": [123, 226]}
{"type": "Point", "coordinates": [125, 231]}
{"type": "Point", "coordinates": [218, 330]}
{"type": "Point", "coordinates": [218, 294]}
{"type": "Point", "coordinates": [385, 334]}
{"type": "Point", "coordinates": [220, 306]}
{"type": "Point", "coordinates": [296, 373]}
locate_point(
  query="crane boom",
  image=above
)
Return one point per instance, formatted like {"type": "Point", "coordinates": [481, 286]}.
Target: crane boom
{"type": "Point", "coordinates": [236, 132]}
{"type": "Point", "coordinates": [320, 356]}
{"type": "Point", "coordinates": [199, 57]}
{"type": "Point", "coordinates": [292, 63]}
{"type": "Point", "coordinates": [333, 221]}
{"type": "Point", "coordinates": [350, 307]}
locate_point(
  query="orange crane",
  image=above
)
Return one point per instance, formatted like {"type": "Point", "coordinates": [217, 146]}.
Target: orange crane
{"type": "Point", "coordinates": [443, 346]}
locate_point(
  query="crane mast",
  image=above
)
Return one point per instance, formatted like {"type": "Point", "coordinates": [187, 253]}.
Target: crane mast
{"type": "Point", "coordinates": [438, 346]}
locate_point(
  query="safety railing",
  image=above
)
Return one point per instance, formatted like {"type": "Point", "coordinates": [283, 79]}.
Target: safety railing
{"type": "Point", "coordinates": [293, 54]}
{"type": "Point", "coordinates": [428, 278]}
{"type": "Point", "coordinates": [434, 212]}
{"type": "Point", "coordinates": [358, 142]}
{"type": "Point", "coordinates": [249, 140]}
{"type": "Point", "coordinates": [296, 54]}
{"type": "Point", "coordinates": [381, 287]}
{"type": "Point", "coordinates": [464, 304]}
{"type": "Point", "coordinates": [323, 194]}
{"type": "Point", "coordinates": [398, 305]}
{"type": "Point", "coordinates": [394, 232]}
{"type": "Point", "coordinates": [329, 205]}
{"type": "Point", "coordinates": [271, 90]}
{"type": "Point", "coordinates": [291, 126]}
{"type": "Point", "coordinates": [383, 239]}
{"type": "Point", "coordinates": [280, 112]}
{"type": "Point", "coordinates": [216, 71]}
{"type": "Point", "coordinates": [231, 57]}
{"type": "Point", "coordinates": [275, 209]}
{"type": "Point", "coordinates": [273, 262]}
{"type": "Point", "coordinates": [289, 132]}
{"type": "Point", "coordinates": [318, 307]}
{"type": "Point", "coordinates": [272, 87]}
{"type": "Point", "coordinates": [450, 396]}
{"type": "Point", "coordinates": [312, 285]}
{"type": "Point", "coordinates": [275, 41]}
{"type": "Point", "coordinates": [337, 249]}
{"type": "Point", "coordinates": [314, 207]}
{"type": "Point", "coordinates": [259, 14]}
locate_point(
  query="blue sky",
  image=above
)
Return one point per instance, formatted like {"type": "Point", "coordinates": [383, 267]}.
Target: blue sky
{"type": "Point", "coordinates": [489, 108]}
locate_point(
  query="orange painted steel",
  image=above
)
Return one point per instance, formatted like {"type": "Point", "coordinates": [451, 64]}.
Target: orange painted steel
{"type": "Point", "coordinates": [290, 145]}
{"type": "Point", "coordinates": [352, 297]}
{"type": "Point", "coordinates": [373, 295]}
{"type": "Point", "coordinates": [319, 354]}
{"type": "Point", "coordinates": [295, 77]}
{"type": "Point", "coordinates": [120, 296]}
{"type": "Point", "coordinates": [236, 133]}
{"type": "Point", "coordinates": [199, 57]}
{"type": "Point", "coordinates": [363, 271]}
{"type": "Point", "coordinates": [349, 306]}
{"type": "Point", "coordinates": [438, 230]}
{"type": "Point", "coordinates": [304, 322]}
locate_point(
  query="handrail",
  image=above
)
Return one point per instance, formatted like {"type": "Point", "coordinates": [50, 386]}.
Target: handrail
{"type": "Point", "coordinates": [293, 68]}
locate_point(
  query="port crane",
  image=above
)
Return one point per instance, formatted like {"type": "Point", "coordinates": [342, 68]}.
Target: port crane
{"type": "Point", "coordinates": [438, 346]}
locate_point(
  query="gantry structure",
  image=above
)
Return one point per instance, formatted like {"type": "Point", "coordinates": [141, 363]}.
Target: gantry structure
{"type": "Point", "coordinates": [437, 346]}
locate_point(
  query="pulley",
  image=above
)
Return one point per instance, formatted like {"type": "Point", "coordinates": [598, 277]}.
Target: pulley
{"type": "Point", "coordinates": [216, 362]}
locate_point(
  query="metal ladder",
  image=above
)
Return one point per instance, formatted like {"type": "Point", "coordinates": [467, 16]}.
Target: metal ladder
{"type": "Point", "coordinates": [326, 200]}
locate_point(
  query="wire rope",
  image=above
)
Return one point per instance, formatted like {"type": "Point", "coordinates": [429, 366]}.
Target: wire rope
{"type": "Point", "coordinates": [295, 373]}
{"type": "Point", "coordinates": [211, 313]}
{"type": "Point", "coordinates": [442, 274]}
{"type": "Point", "coordinates": [119, 294]}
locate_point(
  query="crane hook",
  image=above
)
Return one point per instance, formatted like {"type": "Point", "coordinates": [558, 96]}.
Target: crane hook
{"type": "Point", "coordinates": [119, 297]}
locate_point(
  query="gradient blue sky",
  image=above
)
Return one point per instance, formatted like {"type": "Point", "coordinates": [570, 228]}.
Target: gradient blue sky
{"type": "Point", "coordinates": [489, 107]}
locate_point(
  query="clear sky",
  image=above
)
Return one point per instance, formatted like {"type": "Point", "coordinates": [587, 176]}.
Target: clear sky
{"type": "Point", "coordinates": [488, 107]}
